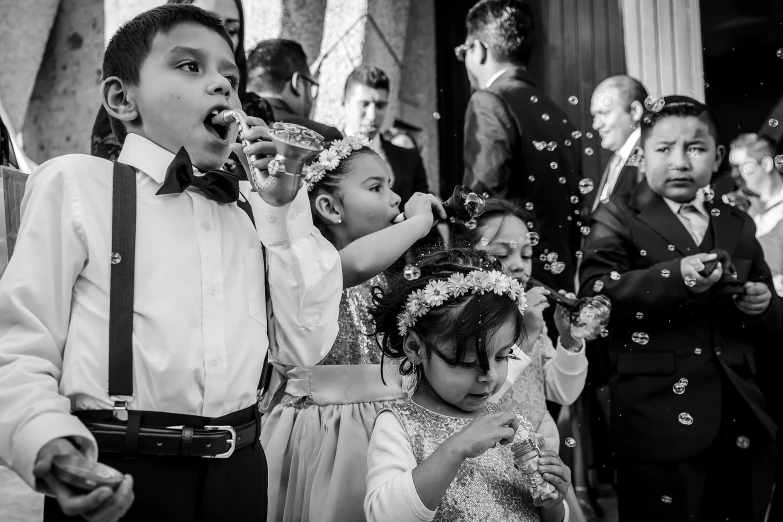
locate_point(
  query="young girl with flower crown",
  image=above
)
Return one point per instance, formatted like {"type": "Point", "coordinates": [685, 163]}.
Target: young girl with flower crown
{"type": "Point", "coordinates": [317, 428]}
{"type": "Point", "coordinates": [443, 454]}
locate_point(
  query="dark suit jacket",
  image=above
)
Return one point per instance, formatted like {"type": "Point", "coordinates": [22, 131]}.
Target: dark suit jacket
{"type": "Point", "coordinates": [502, 124]}
{"type": "Point", "coordinates": [645, 410]}
{"type": "Point", "coordinates": [628, 179]}
{"type": "Point", "coordinates": [283, 113]}
{"type": "Point", "coordinates": [408, 169]}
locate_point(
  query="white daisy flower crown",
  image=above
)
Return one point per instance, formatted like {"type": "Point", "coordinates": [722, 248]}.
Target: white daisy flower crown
{"type": "Point", "coordinates": [330, 158]}
{"type": "Point", "coordinates": [438, 292]}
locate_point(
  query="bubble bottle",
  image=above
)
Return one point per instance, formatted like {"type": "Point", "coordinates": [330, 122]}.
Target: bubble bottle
{"type": "Point", "coordinates": [526, 460]}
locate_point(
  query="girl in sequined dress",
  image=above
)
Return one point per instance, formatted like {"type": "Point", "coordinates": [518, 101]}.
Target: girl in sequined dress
{"type": "Point", "coordinates": [316, 430]}
{"type": "Point", "coordinates": [542, 372]}
{"type": "Point", "coordinates": [443, 454]}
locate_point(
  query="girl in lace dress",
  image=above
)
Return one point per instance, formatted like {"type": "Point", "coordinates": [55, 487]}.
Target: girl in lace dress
{"type": "Point", "coordinates": [443, 454]}
{"type": "Point", "coordinates": [319, 418]}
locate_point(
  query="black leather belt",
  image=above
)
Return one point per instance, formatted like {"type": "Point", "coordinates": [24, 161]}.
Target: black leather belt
{"type": "Point", "coordinates": [218, 442]}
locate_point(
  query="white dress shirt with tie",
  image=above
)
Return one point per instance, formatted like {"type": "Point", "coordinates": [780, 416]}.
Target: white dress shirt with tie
{"type": "Point", "coordinates": [693, 216]}
{"type": "Point", "coordinates": [199, 325]}
{"type": "Point", "coordinates": [616, 164]}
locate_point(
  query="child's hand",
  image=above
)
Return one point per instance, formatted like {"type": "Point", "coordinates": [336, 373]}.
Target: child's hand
{"type": "Point", "coordinates": [556, 473]}
{"type": "Point", "coordinates": [261, 145]}
{"type": "Point", "coordinates": [563, 323]}
{"type": "Point", "coordinates": [101, 504]}
{"type": "Point", "coordinates": [484, 432]}
{"type": "Point", "coordinates": [534, 318]}
{"type": "Point", "coordinates": [690, 267]}
{"type": "Point", "coordinates": [424, 205]}
{"type": "Point", "coordinates": [755, 300]}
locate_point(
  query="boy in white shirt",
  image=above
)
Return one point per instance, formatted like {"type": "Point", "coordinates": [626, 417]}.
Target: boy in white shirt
{"type": "Point", "coordinates": [196, 321]}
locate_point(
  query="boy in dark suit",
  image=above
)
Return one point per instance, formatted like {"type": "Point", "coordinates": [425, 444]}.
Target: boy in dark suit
{"type": "Point", "coordinates": [690, 427]}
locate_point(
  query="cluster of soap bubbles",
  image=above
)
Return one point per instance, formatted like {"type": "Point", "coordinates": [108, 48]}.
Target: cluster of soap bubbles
{"type": "Point", "coordinates": [654, 103]}
{"type": "Point", "coordinates": [679, 387]}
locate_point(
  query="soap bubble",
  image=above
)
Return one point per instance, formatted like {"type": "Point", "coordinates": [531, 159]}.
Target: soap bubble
{"type": "Point", "coordinates": [585, 230]}
{"type": "Point", "coordinates": [598, 286]}
{"type": "Point", "coordinates": [484, 241]}
{"type": "Point", "coordinates": [531, 179]}
{"type": "Point", "coordinates": [742, 442]}
{"type": "Point", "coordinates": [539, 145]}
{"type": "Point", "coordinates": [715, 212]}
{"type": "Point", "coordinates": [684, 381]}
{"type": "Point", "coordinates": [534, 99]}
{"type": "Point", "coordinates": [640, 338]}
{"type": "Point", "coordinates": [562, 180]}
{"type": "Point", "coordinates": [697, 351]}
{"type": "Point", "coordinates": [706, 193]}
{"type": "Point", "coordinates": [690, 281]}
{"type": "Point", "coordinates": [551, 146]}
{"type": "Point", "coordinates": [654, 103]}
{"type": "Point", "coordinates": [567, 143]}
{"type": "Point", "coordinates": [615, 276]}
{"type": "Point", "coordinates": [634, 160]}
{"type": "Point", "coordinates": [532, 238]}
{"type": "Point", "coordinates": [576, 135]}
{"type": "Point", "coordinates": [529, 205]}
{"type": "Point", "coordinates": [570, 442]}
{"type": "Point", "coordinates": [547, 267]}
{"type": "Point", "coordinates": [773, 123]}
{"type": "Point", "coordinates": [748, 168]}
{"type": "Point", "coordinates": [552, 257]}
{"type": "Point", "coordinates": [589, 151]}
{"type": "Point", "coordinates": [607, 101]}
{"type": "Point", "coordinates": [639, 315]}
{"type": "Point", "coordinates": [779, 53]}
{"type": "Point", "coordinates": [685, 419]}
{"type": "Point", "coordinates": [642, 253]}
{"type": "Point", "coordinates": [779, 162]}
{"type": "Point", "coordinates": [665, 272]}
{"type": "Point", "coordinates": [586, 185]}
{"type": "Point", "coordinates": [678, 388]}
{"type": "Point", "coordinates": [542, 257]}
{"type": "Point", "coordinates": [411, 272]}
{"type": "Point", "coordinates": [436, 115]}
{"type": "Point", "coordinates": [513, 244]}
{"type": "Point", "coordinates": [589, 135]}
{"type": "Point", "coordinates": [573, 100]}
{"type": "Point", "coordinates": [671, 248]}
{"type": "Point", "coordinates": [558, 267]}
{"type": "Point", "coordinates": [604, 333]}
{"type": "Point", "coordinates": [666, 499]}
{"type": "Point", "coordinates": [553, 165]}
{"type": "Point", "coordinates": [545, 117]}
{"type": "Point", "coordinates": [574, 200]}
{"type": "Point", "coordinates": [578, 254]}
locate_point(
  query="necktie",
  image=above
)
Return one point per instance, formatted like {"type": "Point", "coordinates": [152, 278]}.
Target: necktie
{"type": "Point", "coordinates": [698, 223]}
{"type": "Point", "coordinates": [218, 185]}
{"type": "Point", "coordinates": [606, 180]}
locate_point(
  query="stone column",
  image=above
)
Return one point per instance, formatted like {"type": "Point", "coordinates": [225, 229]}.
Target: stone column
{"type": "Point", "coordinates": [663, 45]}
{"type": "Point", "coordinates": [66, 95]}
{"type": "Point", "coordinates": [299, 20]}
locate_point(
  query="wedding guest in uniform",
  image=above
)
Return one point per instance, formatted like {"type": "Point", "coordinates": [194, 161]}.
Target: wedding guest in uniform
{"type": "Point", "coordinates": [278, 71]}
{"type": "Point", "coordinates": [617, 106]}
{"type": "Point", "coordinates": [692, 432]}
{"type": "Point", "coordinates": [184, 367]}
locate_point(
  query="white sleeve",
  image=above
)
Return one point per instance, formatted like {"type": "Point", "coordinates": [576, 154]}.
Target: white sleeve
{"type": "Point", "coordinates": [391, 494]}
{"type": "Point", "coordinates": [548, 430]}
{"type": "Point", "coordinates": [35, 304]}
{"type": "Point", "coordinates": [305, 279]}
{"type": "Point", "coordinates": [565, 373]}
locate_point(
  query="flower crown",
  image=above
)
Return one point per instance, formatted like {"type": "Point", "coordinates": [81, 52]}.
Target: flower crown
{"type": "Point", "coordinates": [330, 158]}
{"type": "Point", "coordinates": [438, 292]}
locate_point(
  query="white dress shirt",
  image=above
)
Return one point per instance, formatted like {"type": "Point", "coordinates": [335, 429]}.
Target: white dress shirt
{"type": "Point", "coordinates": [200, 322]}
{"type": "Point", "coordinates": [494, 77]}
{"type": "Point", "coordinates": [768, 217]}
{"type": "Point", "coordinates": [698, 204]}
{"type": "Point", "coordinates": [623, 154]}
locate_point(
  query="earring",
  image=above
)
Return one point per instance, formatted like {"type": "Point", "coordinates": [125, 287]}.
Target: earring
{"type": "Point", "coordinates": [339, 221]}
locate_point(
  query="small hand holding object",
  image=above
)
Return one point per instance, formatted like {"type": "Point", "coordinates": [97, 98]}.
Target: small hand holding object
{"type": "Point", "coordinates": [484, 432]}
{"type": "Point", "coordinates": [692, 269]}
{"type": "Point", "coordinates": [556, 473]}
{"type": "Point", "coordinates": [563, 323]}
{"type": "Point", "coordinates": [102, 504]}
{"type": "Point", "coordinates": [534, 313]}
{"type": "Point", "coordinates": [425, 205]}
{"type": "Point", "coordinates": [755, 300]}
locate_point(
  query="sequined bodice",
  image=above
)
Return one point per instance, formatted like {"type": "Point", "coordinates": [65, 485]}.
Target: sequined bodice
{"type": "Point", "coordinates": [353, 345]}
{"type": "Point", "coordinates": [528, 393]}
{"type": "Point", "coordinates": [486, 488]}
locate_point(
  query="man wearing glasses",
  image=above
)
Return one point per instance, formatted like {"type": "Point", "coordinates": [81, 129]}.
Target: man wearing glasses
{"type": "Point", "coordinates": [518, 142]}
{"type": "Point", "coordinates": [278, 72]}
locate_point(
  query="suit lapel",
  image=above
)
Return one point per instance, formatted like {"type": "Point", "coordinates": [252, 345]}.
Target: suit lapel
{"type": "Point", "coordinates": [656, 214]}
{"type": "Point", "coordinates": [602, 184]}
{"type": "Point", "coordinates": [727, 228]}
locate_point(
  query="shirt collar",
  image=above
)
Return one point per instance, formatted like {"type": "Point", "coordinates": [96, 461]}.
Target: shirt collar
{"type": "Point", "coordinates": [494, 77]}
{"type": "Point", "coordinates": [627, 148]}
{"type": "Point", "coordinates": [146, 156]}
{"type": "Point", "coordinates": [697, 203]}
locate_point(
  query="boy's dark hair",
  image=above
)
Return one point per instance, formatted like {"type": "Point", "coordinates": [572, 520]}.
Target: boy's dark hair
{"type": "Point", "coordinates": [494, 207]}
{"type": "Point", "coordinates": [273, 62]}
{"type": "Point", "coordinates": [680, 107]}
{"type": "Point", "coordinates": [131, 44]}
{"type": "Point", "coordinates": [469, 321]}
{"type": "Point", "coordinates": [368, 75]}
{"type": "Point", "coordinates": [506, 27]}
{"type": "Point", "coordinates": [330, 184]}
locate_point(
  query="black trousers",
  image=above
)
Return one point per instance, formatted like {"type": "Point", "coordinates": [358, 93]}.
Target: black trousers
{"type": "Point", "coordinates": [723, 483]}
{"type": "Point", "coordinates": [190, 488]}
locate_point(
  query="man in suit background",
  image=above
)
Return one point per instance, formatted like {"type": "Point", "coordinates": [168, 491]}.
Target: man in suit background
{"type": "Point", "coordinates": [519, 144]}
{"type": "Point", "coordinates": [365, 99]}
{"type": "Point", "coordinates": [617, 106]}
{"type": "Point", "coordinates": [278, 72]}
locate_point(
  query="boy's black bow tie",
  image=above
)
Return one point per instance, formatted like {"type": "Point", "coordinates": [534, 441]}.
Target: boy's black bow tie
{"type": "Point", "coordinates": [217, 185]}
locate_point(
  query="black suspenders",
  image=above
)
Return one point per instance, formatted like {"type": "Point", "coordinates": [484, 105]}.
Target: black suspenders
{"type": "Point", "coordinates": [123, 263]}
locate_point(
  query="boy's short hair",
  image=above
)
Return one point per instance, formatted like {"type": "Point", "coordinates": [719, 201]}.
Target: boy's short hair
{"type": "Point", "coordinates": [131, 44]}
{"type": "Point", "coordinates": [368, 75]}
{"type": "Point", "coordinates": [680, 107]}
{"type": "Point", "coordinates": [757, 146]}
{"type": "Point", "coordinates": [273, 62]}
{"type": "Point", "coordinates": [506, 27]}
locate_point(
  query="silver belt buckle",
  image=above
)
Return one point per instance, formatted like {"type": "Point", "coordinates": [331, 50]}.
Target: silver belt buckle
{"type": "Point", "coordinates": [232, 441]}
{"type": "Point", "coordinates": [120, 409]}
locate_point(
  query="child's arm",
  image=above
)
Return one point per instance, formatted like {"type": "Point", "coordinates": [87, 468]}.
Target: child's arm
{"type": "Point", "coordinates": [391, 494]}
{"type": "Point", "coordinates": [35, 303]}
{"type": "Point", "coordinates": [372, 254]}
{"type": "Point", "coordinates": [305, 279]}
{"type": "Point", "coordinates": [565, 370]}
